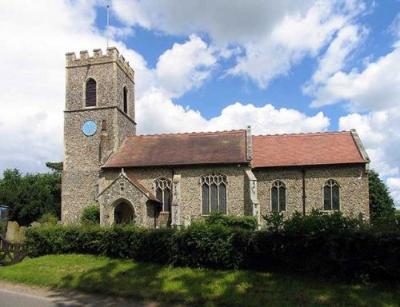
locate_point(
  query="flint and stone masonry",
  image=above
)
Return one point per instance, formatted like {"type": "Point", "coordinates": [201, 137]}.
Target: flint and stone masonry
{"type": "Point", "coordinates": [113, 168]}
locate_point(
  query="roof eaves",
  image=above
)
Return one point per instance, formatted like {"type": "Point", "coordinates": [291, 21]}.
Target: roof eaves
{"type": "Point", "coordinates": [359, 145]}
{"type": "Point", "coordinates": [308, 165]}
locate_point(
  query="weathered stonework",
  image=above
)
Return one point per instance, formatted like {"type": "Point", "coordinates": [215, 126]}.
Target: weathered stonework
{"type": "Point", "coordinates": [120, 190]}
{"type": "Point", "coordinates": [248, 191]}
{"type": "Point", "coordinates": [353, 181]}
{"type": "Point", "coordinates": [83, 155]}
{"type": "Point", "coordinates": [190, 188]}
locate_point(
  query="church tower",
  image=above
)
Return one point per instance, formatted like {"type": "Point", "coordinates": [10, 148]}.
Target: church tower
{"type": "Point", "coordinates": [99, 114]}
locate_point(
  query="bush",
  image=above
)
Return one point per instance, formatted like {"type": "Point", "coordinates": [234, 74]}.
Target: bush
{"type": "Point", "coordinates": [212, 246]}
{"type": "Point", "coordinates": [241, 222]}
{"type": "Point", "coordinates": [321, 222]}
{"type": "Point", "coordinates": [91, 215]}
{"type": "Point", "coordinates": [274, 221]}
{"type": "Point", "coordinates": [128, 242]}
{"type": "Point", "coordinates": [48, 218]}
{"type": "Point", "coordinates": [320, 244]}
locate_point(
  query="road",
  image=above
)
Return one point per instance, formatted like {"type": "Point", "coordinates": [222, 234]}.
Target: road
{"type": "Point", "coordinates": [20, 296]}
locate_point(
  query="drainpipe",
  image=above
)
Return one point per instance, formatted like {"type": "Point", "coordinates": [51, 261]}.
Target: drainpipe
{"type": "Point", "coordinates": [303, 171]}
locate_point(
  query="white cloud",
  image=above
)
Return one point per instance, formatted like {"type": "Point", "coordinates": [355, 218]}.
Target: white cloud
{"type": "Point", "coordinates": [34, 41]}
{"type": "Point", "coordinates": [32, 83]}
{"type": "Point", "coordinates": [157, 113]}
{"type": "Point", "coordinates": [394, 28]}
{"type": "Point", "coordinates": [338, 51]}
{"type": "Point", "coordinates": [380, 133]}
{"type": "Point", "coordinates": [275, 35]}
{"type": "Point", "coordinates": [185, 66]}
{"type": "Point", "coordinates": [394, 188]}
{"type": "Point", "coordinates": [377, 87]}
{"type": "Point", "coordinates": [225, 20]}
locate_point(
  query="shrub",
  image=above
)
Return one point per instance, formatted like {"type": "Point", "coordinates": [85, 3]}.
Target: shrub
{"type": "Point", "coordinates": [242, 222]}
{"type": "Point", "coordinates": [320, 244]}
{"type": "Point", "coordinates": [213, 246]}
{"type": "Point", "coordinates": [48, 218]}
{"type": "Point", "coordinates": [274, 221]}
{"type": "Point", "coordinates": [321, 222]}
{"type": "Point", "coordinates": [91, 215]}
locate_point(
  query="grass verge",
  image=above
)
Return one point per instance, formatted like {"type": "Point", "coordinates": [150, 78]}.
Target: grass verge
{"type": "Point", "coordinates": [192, 286]}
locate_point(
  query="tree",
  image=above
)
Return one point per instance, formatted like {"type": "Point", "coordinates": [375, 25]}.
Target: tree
{"type": "Point", "coordinates": [29, 197]}
{"type": "Point", "coordinates": [381, 204]}
{"type": "Point", "coordinates": [56, 167]}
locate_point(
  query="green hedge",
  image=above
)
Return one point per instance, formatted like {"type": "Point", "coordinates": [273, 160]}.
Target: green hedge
{"type": "Point", "coordinates": [91, 215]}
{"type": "Point", "coordinates": [239, 222]}
{"type": "Point", "coordinates": [346, 252]}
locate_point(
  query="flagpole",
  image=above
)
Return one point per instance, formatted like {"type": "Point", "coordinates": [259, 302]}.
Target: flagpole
{"type": "Point", "coordinates": [108, 22]}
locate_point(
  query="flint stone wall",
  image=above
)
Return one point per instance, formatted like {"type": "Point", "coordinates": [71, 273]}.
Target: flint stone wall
{"type": "Point", "coordinates": [353, 181]}
{"type": "Point", "coordinates": [190, 206]}
{"type": "Point", "coordinates": [123, 190]}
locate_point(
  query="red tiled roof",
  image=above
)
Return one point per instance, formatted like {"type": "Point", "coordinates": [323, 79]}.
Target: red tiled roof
{"type": "Point", "coordinates": [305, 149]}
{"type": "Point", "coordinates": [141, 187]}
{"type": "Point", "coordinates": [223, 147]}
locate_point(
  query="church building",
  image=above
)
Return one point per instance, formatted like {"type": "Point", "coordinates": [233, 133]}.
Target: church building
{"type": "Point", "coordinates": [173, 179]}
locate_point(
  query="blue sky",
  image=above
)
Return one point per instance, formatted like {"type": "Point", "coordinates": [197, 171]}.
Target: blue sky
{"type": "Point", "coordinates": [282, 67]}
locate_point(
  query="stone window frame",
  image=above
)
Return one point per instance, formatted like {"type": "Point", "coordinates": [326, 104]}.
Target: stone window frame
{"type": "Point", "coordinates": [225, 181]}
{"type": "Point", "coordinates": [84, 93]}
{"type": "Point", "coordinates": [125, 98]}
{"type": "Point", "coordinates": [273, 184]}
{"type": "Point", "coordinates": [163, 183]}
{"type": "Point", "coordinates": [335, 182]}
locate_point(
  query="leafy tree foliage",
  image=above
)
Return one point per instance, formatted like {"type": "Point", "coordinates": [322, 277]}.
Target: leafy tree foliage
{"type": "Point", "coordinates": [91, 215]}
{"type": "Point", "coordinates": [55, 166]}
{"type": "Point", "coordinates": [380, 202]}
{"type": "Point", "coordinates": [30, 196]}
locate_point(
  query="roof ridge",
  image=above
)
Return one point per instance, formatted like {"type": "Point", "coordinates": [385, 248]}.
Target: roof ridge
{"type": "Point", "coordinates": [189, 133]}
{"type": "Point", "coordinates": [304, 133]}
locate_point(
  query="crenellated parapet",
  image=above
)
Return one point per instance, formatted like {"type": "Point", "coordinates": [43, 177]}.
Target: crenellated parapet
{"type": "Point", "coordinates": [112, 55]}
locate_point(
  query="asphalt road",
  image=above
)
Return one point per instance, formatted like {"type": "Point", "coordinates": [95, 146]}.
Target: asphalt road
{"type": "Point", "coordinates": [20, 296]}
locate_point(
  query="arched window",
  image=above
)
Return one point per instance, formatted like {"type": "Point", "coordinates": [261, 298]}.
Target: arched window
{"type": "Point", "coordinates": [331, 195]}
{"type": "Point", "coordinates": [90, 93]}
{"type": "Point", "coordinates": [163, 193]}
{"type": "Point", "coordinates": [278, 196]}
{"type": "Point", "coordinates": [125, 99]}
{"type": "Point", "coordinates": [213, 191]}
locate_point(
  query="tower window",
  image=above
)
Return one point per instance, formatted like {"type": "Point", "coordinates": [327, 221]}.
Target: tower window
{"type": "Point", "coordinates": [125, 100]}
{"type": "Point", "coordinates": [90, 93]}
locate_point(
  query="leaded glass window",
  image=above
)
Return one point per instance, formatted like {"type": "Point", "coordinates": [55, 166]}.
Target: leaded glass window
{"type": "Point", "coordinates": [163, 193]}
{"type": "Point", "coordinates": [213, 191]}
{"type": "Point", "coordinates": [278, 196]}
{"type": "Point", "coordinates": [331, 195]}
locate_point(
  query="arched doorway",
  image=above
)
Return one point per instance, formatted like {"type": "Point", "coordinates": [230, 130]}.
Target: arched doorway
{"type": "Point", "coordinates": [123, 213]}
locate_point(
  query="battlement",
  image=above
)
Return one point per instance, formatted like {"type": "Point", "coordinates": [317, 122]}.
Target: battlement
{"type": "Point", "coordinates": [112, 55]}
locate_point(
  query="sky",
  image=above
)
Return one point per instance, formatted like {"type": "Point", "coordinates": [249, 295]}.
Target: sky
{"type": "Point", "coordinates": [283, 66]}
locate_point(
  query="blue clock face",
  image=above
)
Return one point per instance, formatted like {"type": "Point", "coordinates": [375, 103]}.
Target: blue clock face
{"type": "Point", "coordinates": [89, 128]}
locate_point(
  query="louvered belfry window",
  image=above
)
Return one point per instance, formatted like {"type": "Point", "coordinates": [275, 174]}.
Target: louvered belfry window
{"type": "Point", "coordinates": [163, 193]}
{"type": "Point", "coordinates": [91, 93]}
{"type": "Point", "coordinates": [125, 100]}
{"type": "Point", "coordinates": [213, 191]}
